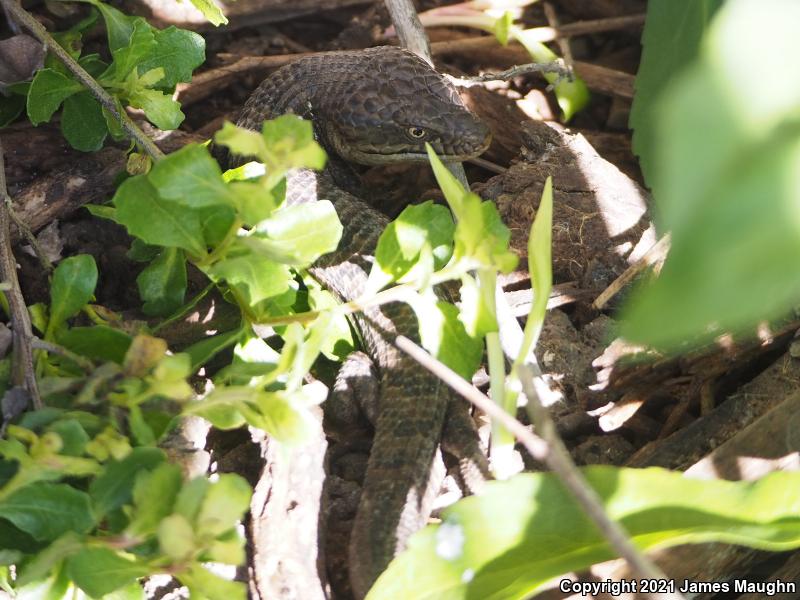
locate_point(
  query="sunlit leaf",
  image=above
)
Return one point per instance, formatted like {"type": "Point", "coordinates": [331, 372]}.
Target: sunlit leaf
{"type": "Point", "coordinates": [521, 533]}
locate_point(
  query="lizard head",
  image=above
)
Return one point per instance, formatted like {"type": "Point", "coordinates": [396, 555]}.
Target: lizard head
{"type": "Point", "coordinates": [388, 105]}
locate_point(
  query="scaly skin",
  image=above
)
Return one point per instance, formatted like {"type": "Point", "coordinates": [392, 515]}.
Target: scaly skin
{"type": "Point", "coordinates": [368, 107]}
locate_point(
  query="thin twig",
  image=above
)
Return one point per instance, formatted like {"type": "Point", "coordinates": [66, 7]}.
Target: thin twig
{"type": "Point", "coordinates": [549, 449]}
{"type": "Point", "coordinates": [516, 71]}
{"type": "Point", "coordinates": [487, 164]}
{"type": "Point", "coordinates": [656, 254]}
{"type": "Point", "coordinates": [535, 445]}
{"type": "Point", "coordinates": [84, 363]}
{"type": "Point", "coordinates": [30, 238]}
{"type": "Point", "coordinates": [40, 33]}
{"type": "Point", "coordinates": [563, 42]}
{"type": "Point", "coordinates": [23, 372]}
{"type": "Point", "coordinates": [561, 464]}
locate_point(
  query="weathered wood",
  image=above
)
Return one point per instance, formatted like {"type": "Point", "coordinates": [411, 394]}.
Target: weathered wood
{"type": "Point", "coordinates": [284, 522]}
{"type": "Point", "coordinates": [770, 443]}
{"type": "Point", "coordinates": [72, 178]}
{"type": "Point", "coordinates": [756, 398]}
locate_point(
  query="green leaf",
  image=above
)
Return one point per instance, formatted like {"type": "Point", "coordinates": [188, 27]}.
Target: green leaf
{"type": "Point", "coordinates": [444, 336]}
{"type": "Point", "coordinates": [253, 357]}
{"type": "Point", "coordinates": [48, 510]}
{"type": "Point", "coordinates": [16, 539]}
{"type": "Point", "coordinates": [338, 342]}
{"type": "Point", "coordinates": [540, 267]}
{"type": "Point", "coordinates": [477, 311]}
{"type": "Point", "coordinates": [54, 587]}
{"type": "Point", "coordinates": [285, 143]}
{"type": "Point", "coordinates": [141, 432]}
{"type": "Point", "coordinates": [190, 498]}
{"type": "Point", "coordinates": [114, 487]}
{"type": "Point", "coordinates": [670, 41]}
{"type": "Point", "coordinates": [134, 591]}
{"type": "Point", "coordinates": [211, 12]}
{"type": "Point", "coordinates": [99, 342]}
{"type": "Point", "coordinates": [176, 538]}
{"type": "Point", "coordinates": [217, 222]}
{"type": "Point", "coordinates": [160, 109]}
{"type": "Point", "coordinates": [119, 26]}
{"type": "Point", "coordinates": [252, 201]}
{"type": "Point", "coordinates": [178, 52]}
{"type": "Point", "coordinates": [297, 235]}
{"type": "Point", "coordinates": [73, 285]}
{"type": "Point", "coordinates": [521, 533]}
{"type": "Point", "coordinates": [204, 584]}
{"type": "Point", "coordinates": [112, 122]}
{"type": "Point", "coordinates": [150, 508]}
{"type": "Point", "coordinates": [572, 96]}
{"type": "Point", "coordinates": [726, 183]}
{"type": "Point", "coordinates": [11, 107]}
{"type": "Point", "coordinates": [155, 220]}
{"type": "Point", "coordinates": [103, 211]}
{"type": "Point", "coordinates": [169, 378]}
{"type": "Point", "coordinates": [253, 278]}
{"type": "Point", "coordinates": [239, 140]}
{"type": "Point", "coordinates": [72, 434]}
{"type": "Point", "coordinates": [144, 354]}
{"type": "Point", "coordinates": [49, 560]}
{"type": "Point", "coordinates": [150, 78]}
{"type": "Point", "coordinates": [162, 284]}
{"type": "Point", "coordinates": [227, 549]}
{"type": "Point", "coordinates": [420, 227]}
{"type": "Point", "coordinates": [191, 177]}
{"type": "Point", "coordinates": [93, 64]}
{"type": "Point", "coordinates": [48, 90]}
{"type": "Point", "coordinates": [139, 251]}
{"type": "Point", "coordinates": [284, 415]}
{"type": "Point", "coordinates": [100, 571]}
{"type": "Point", "coordinates": [225, 502]}
{"type": "Point", "coordinates": [502, 27]}
{"type": "Point", "coordinates": [203, 351]}
{"type": "Point", "coordinates": [221, 408]}
{"type": "Point", "coordinates": [83, 123]}
{"type": "Point", "coordinates": [291, 144]}
{"type": "Point", "coordinates": [481, 237]}
{"type": "Point", "coordinates": [452, 189]}
{"type": "Point", "coordinates": [127, 58]}
{"type": "Point", "coordinates": [71, 41]}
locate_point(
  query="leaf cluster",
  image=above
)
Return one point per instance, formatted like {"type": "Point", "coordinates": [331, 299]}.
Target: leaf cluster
{"type": "Point", "coordinates": [78, 512]}
{"type": "Point", "coordinates": [145, 66]}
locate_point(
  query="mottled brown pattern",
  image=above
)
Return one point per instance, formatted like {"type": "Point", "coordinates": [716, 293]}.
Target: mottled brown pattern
{"type": "Point", "coordinates": [363, 104]}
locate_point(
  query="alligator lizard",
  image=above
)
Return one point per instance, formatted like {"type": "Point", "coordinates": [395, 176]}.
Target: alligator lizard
{"type": "Point", "coordinates": [372, 107]}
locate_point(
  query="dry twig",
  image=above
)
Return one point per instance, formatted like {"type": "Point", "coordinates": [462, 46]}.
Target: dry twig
{"type": "Point", "coordinates": [23, 372]}
{"type": "Point", "coordinates": [656, 254]}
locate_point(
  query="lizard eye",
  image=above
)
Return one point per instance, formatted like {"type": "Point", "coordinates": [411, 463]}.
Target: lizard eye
{"type": "Point", "coordinates": [416, 132]}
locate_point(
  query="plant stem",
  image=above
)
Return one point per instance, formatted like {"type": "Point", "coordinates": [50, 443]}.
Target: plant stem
{"type": "Point", "coordinates": [560, 462]}
{"type": "Point", "coordinates": [102, 96]}
{"type": "Point", "coordinates": [502, 438]}
{"type": "Point", "coordinates": [549, 450]}
{"type": "Point", "coordinates": [23, 371]}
